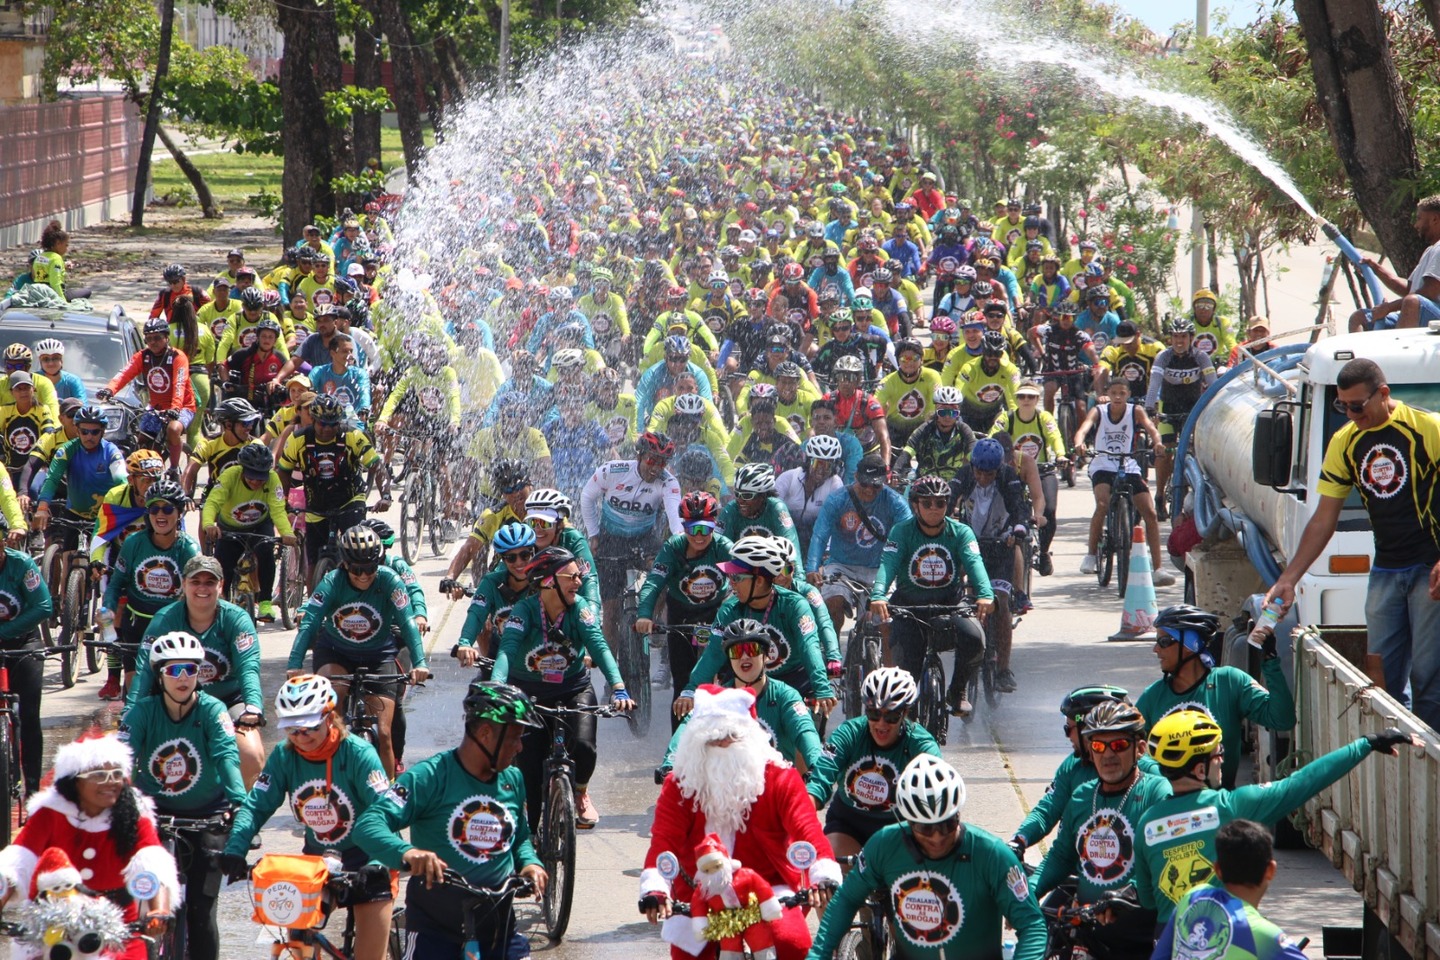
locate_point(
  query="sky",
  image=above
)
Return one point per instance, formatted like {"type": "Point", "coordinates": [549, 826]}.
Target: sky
{"type": "Point", "coordinates": [1161, 15]}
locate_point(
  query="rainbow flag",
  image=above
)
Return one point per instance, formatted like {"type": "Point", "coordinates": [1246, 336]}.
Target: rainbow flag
{"type": "Point", "coordinates": [112, 519]}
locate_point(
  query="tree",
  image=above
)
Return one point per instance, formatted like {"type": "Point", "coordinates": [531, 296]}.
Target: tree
{"type": "Point", "coordinates": [152, 115]}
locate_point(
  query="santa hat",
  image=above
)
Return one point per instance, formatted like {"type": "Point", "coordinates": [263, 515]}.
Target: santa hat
{"type": "Point", "coordinates": [53, 872]}
{"type": "Point", "coordinates": [710, 849]}
{"type": "Point", "coordinates": [92, 753]}
{"type": "Point", "coordinates": [712, 700]}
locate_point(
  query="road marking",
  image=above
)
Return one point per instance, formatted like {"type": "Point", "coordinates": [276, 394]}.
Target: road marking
{"type": "Point", "coordinates": [437, 630]}
{"type": "Point", "coordinates": [1014, 780]}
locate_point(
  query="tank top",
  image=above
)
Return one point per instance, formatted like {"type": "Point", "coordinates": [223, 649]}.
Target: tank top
{"type": "Point", "coordinates": [1114, 438]}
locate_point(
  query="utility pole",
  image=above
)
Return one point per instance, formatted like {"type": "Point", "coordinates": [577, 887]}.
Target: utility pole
{"type": "Point", "coordinates": [1197, 219]}
{"type": "Point", "coordinates": [504, 43]}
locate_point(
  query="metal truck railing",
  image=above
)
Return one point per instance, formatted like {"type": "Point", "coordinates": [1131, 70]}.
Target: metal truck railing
{"type": "Point", "coordinates": [1380, 825]}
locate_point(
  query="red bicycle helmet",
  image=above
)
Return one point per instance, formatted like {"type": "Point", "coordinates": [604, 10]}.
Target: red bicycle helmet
{"type": "Point", "coordinates": [699, 505]}
{"type": "Point", "coordinates": [655, 443]}
{"type": "Point", "coordinates": [792, 273]}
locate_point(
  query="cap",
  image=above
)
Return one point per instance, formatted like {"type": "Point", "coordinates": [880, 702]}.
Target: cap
{"type": "Point", "coordinates": [1126, 332]}
{"type": "Point", "coordinates": [236, 252]}
{"type": "Point", "coordinates": [355, 270]}
{"type": "Point", "coordinates": [221, 282]}
{"type": "Point", "coordinates": [550, 516]}
{"type": "Point", "coordinates": [1028, 388]}
{"type": "Point", "coordinates": [301, 379]}
{"type": "Point", "coordinates": [245, 272]}
{"type": "Point", "coordinates": [203, 564]}
{"type": "Point", "coordinates": [1258, 324]}
{"type": "Point", "coordinates": [871, 468]}
{"type": "Point", "coordinates": [70, 404]}
{"type": "Point", "coordinates": [21, 378]}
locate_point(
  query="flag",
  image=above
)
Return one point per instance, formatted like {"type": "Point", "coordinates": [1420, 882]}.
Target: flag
{"type": "Point", "coordinates": [112, 519]}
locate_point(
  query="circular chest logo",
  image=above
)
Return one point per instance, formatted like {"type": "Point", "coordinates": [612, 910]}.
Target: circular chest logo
{"type": "Point", "coordinates": [779, 648]}
{"type": "Point", "coordinates": [341, 392]}
{"type": "Point", "coordinates": [247, 337]}
{"type": "Point", "coordinates": [600, 323]}
{"type": "Point", "coordinates": [701, 584]}
{"type": "Point", "coordinates": [357, 622]}
{"type": "Point", "coordinates": [615, 428]}
{"type": "Point", "coordinates": [1133, 372]}
{"type": "Point", "coordinates": [927, 907]}
{"type": "Point", "coordinates": [328, 812]}
{"type": "Point", "coordinates": [867, 279]}
{"type": "Point", "coordinates": [158, 576]}
{"type": "Point", "coordinates": [911, 405]}
{"type": "Point", "coordinates": [547, 659]}
{"type": "Point", "coordinates": [1029, 445]}
{"type": "Point", "coordinates": [1106, 844]}
{"type": "Point", "coordinates": [851, 523]}
{"type": "Point", "coordinates": [322, 296]}
{"type": "Point", "coordinates": [1204, 931]}
{"type": "Point", "coordinates": [326, 465]}
{"type": "Point", "coordinates": [990, 393]}
{"type": "Point", "coordinates": [432, 400]}
{"type": "Point", "coordinates": [157, 380]}
{"type": "Point", "coordinates": [932, 565]}
{"type": "Point", "coordinates": [248, 513]}
{"type": "Point", "coordinates": [214, 667]}
{"type": "Point", "coordinates": [176, 766]}
{"type": "Point", "coordinates": [1206, 342]}
{"type": "Point", "coordinates": [1100, 339]}
{"type": "Point", "coordinates": [21, 438]}
{"type": "Point", "coordinates": [870, 782]}
{"type": "Point", "coordinates": [481, 828]}
{"type": "Point", "coordinates": [1383, 471]}
{"type": "Point", "coordinates": [9, 606]}
{"type": "Point", "coordinates": [814, 261]}
{"type": "Point", "coordinates": [716, 321]}
{"type": "Point", "coordinates": [948, 265]}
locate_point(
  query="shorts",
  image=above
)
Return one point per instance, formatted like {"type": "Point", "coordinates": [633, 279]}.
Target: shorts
{"type": "Point", "coordinates": [1107, 478]}
{"type": "Point", "coordinates": [843, 818]}
{"type": "Point", "coordinates": [380, 662]}
{"type": "Point", "coordinates": [865, 575]}
{"type": "Point", "coordinates": [1429, 310]}
{"type": "Point", "coordinates": [618, 555]}
{"type": "Point", "coordinates": [1169, 424]}
{"type": "Point", "coordinates": [999, 560]}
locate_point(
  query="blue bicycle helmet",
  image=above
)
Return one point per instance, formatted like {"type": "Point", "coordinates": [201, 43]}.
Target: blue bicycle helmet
{"type": "Point", "coordinates": [987, 455]}
{"type": "Point", "coordinates": [514, 536]}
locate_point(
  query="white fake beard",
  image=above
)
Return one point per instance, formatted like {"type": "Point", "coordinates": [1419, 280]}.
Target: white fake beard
{"type": "Point", "coordinates": [715, 884]}
{"type": "Point", "coordinates": [724, 781]}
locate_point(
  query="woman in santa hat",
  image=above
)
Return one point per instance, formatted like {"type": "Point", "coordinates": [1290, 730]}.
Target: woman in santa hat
{"type": "Point", "coordinates": [104, 825]}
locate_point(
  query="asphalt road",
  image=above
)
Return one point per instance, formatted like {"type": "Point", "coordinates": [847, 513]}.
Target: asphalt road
{"type": "Point", "coordinates": [1006, 757]}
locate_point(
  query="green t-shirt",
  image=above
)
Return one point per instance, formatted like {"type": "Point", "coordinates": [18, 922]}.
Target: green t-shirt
{"type": "Point", "coordinates": [774, 521]}
{"type": "Point", "coordinates": [231, 671]}
{"type": "Point", "coordinates": [1073, 772]}
{"type": "Point", "coordinates": [794, 637]}
{"type": "Point", "coordinates": [357, 621]}
{"type": "Point", "coordinates": [787, 721]}
{"type": "Point", "coordinates": [1097, 838]}
{"type": "Point", "coordinates": [327, 799]}
{"type": "Point", "coordinates": [1175, 839]}
{"type": "Point", "coordinates": [691, 585]}
{"type": "Point", "coordinates": [946, 909]}
{"type": "Point", "coordinates": [927, 569]}
{"type": "Point", "coordinates": [860, 774]}
{"type": "Point", "coordinates": [491, 603]}
{"type": "Point", "coordinates": [413, 586]}
{"type": "Point", "coordinates": [190, 764]}
{"type": "Point", "coordinates": [535, 650]}
{"type": "Point", "coordinates": [147, 576]}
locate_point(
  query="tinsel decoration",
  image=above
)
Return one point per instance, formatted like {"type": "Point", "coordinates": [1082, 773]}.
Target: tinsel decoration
{"type": "Point", "coordinates": [734, 921]}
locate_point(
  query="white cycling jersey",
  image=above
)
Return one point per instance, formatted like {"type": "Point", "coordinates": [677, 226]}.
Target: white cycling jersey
{"type": "Point", "coordinates": [618, 502]}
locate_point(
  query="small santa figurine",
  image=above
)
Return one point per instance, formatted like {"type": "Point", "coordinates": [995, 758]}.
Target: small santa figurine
{"type": "Point", "coordinates": [64, 919]}
{"type": "Point", "coordinates": [733, 905]}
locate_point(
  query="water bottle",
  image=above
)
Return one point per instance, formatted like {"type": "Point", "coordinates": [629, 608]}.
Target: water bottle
{"type": "Point", "coordinates": [106, 621]}
{"type": "Point", "coordinates": [1265, 625]}
{"type": "Point", "coordinates": [1007, 950]}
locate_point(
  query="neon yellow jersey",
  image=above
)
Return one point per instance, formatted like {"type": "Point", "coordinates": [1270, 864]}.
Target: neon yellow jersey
{"type": "Point", "coordinates": [1133, 368]}
{"type": "Point", "coordinates": [617, 421]}
{"type": "Point", "coordinates": [988, 391]}
{"type": "Point", "coordinates": [907, 405]}
{"type": "Point", "coordinates": [608, 318]}
{"type": "Point", "coordinates": [491, 521]}
{"type": "Point", "coordinates": [45, 395]}
{"type": "Point", "coordinates": [437, 395]}
{"type": "Point", "coordinates": [487, 447]}
{"type": "Point", "coordinates": [1038, 439]}
{"type": "Point", "coordinates": [231, 503]}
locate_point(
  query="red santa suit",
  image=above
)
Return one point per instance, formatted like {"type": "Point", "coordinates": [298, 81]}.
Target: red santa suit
{"type": "Point", "coordinates": [781, 815]}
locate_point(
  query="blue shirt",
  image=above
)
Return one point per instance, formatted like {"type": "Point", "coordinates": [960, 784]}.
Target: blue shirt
{"type": "Point", "coordinates": [841, 529]}
{"type": "Point", "coordinates": [1105, 327]}
{"type": "Point", "coordinates": [352, 388]}
{"type": "Point", "coordinates": [655, 378]}
{"type": "Point", "coordinates": [69, 386]}
{"type": "Point", "coordinates": [89, 474]}
{"type": "Point", "coordinates": [904, 252]}
{"type": "Point", "coordinates": [549, 323]}
{"type": "Point", "coordinates": [820, 278]}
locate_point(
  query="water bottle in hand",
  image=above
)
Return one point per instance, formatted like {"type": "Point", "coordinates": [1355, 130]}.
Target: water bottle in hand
{"type": "Point", "coordinates": [1265, 625]}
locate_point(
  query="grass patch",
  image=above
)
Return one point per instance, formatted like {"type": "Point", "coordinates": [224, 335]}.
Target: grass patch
{"type": "Point", "coordinates": [234, 177]}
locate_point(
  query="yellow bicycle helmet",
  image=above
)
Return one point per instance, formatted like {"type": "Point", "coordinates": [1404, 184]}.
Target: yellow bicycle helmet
{"type": "Point", "coordinates": [1182, 738]}
{"type": "Point", "coordinates": [145, 463]}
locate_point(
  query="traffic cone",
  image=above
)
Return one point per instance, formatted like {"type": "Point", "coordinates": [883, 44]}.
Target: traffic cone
{"type": "Point", "coordinates": [1138, 619]}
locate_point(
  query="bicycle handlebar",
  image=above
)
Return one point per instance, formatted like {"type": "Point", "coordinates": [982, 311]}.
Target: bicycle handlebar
{"type": "Point", "coordinates": [41, 652]}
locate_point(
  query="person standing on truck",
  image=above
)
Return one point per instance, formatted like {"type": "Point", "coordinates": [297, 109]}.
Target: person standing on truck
{"type": "Point", "coordinates": [1389, 452]}
{"type": "Point", "coordinates": [1420, 292]}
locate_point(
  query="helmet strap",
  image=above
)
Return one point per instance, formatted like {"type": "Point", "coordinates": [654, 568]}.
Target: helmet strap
{"type": "Point", "coordinates": [492, 756]}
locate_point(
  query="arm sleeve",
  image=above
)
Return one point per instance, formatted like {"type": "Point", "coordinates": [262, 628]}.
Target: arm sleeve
{"type": "Point", "coordinates": [1271, 706]}
{"type": "Point", "coordinates": [820, 783]}
{"type": "Point", "coordinates": [654, 584]}
{"type": "Point", "coordinates": [1060, 862]}
{"type": "Point", "coordinates": [705, 668]}
{"type": "Point", "coordinates": [847, 900]}
{"type": "Point", "coordinates": [125, 376]}
{"type": "Point", "coordinates": [260, 804]}
{"type": "Point", "coordinates": [1043, 817]}
{"type": "Point", "coordinates": [975, 565]}
{"type": "Point", "coordinates": [601, 656]}
{"type": "Point", "coordinates": [1165, 946]}
{"type": "Point", "coordinates": [181, 388]}
{"type": "Point", "coordinates": [37, 608]}
{"type": "Point", "coordinates": [405, 620]}
{"type": "Point", "coordinates": [809, 649]}
{"type": "Point", "coordinates": [885, 574]}
{"type": "Point", "coordinates": [1031, 936]}
{"type": "Point", "coordinates": [226, 755]}
{"type": "Point", "coordinates": [590, 500]}
{"type": "Point", "coordinates": [820, 534]}
{"type": "Point", "coordinates": [672, 506]}
{"type": "Point", "coordinates": [310, 615]}
{"type": "Point", "coordinates": [510, 640]}
{"type": "Point", "coordinates": [377, 830]}
{"type": "Point", "coordinates": [214, 499]}
{"type": "Point", "coordinates": [247, 661]}
{"type": "Point", "coordinates": [1267, 802]}
{"type": "Point", "coordinates": [1157, 376]}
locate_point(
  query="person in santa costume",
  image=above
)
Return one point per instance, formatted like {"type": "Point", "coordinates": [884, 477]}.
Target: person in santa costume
{"type": "Point", "coordinates": [728, 781]}
{"type": "Point", "coordinates": [733, 905]}
{"type": "Point", "coordinates": [103, 825]}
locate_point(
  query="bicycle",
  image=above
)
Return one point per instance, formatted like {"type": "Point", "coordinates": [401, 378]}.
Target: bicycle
{"type": "Point", "coordinates": [862, 649]}
{"type": "Point", "coordinates": [418, 504]}
{"type": "Point", "coordinates": [175, 831]}
{"type": "Point", "coordinates": [69, 573]}
{"type": "Point", "coordinates": [309, 943]}
{"type": "Point", "coordinates": [556, 834]}
{"type": "Point", "coordinates": [869, 935]}
{"type": "Point", "coordinates": [1112, 552]}
{"type": "Point", "coordinates": [931, 709]}
{"type": "Point", "coordinates": [632, 654]}
{"type": "Point", "coordinates": [243, 585]}
{"type": "Point", "coordinates": [499, 898]}
{"type": "Point", "coordinates": [363, 684]}
{"type": "Point", "coordinates": [13, 793]}
{"type": "Point", "coordinates": [1066, 417]}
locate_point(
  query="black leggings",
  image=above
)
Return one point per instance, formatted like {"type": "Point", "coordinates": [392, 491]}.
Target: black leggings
{"type": "Point", "coordinates": [26, 676]}
{"type": "Point", "coordinates": [194, 856]}
{"type": "Point", "coordinates": [229, 550]}
{"type": "Point", "coordinates": [964, 635]}
{"type": "Point", "coordinates": [684, 654]}
{"type": "Point", "coordinates": [317, 532]}
{"type": "Point", "coordinates": [1050, 485]}
{"type": "Point", "coordinates": [579, 741]}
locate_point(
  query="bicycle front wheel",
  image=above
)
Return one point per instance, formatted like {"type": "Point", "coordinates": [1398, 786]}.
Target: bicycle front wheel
{"type": "Point", "coordinates": [433, 517]}
{"type": "Point", "coordinates": [1105, 549]}
{"type": "Point", "coordinates": [412, 520]}
{"type": "Point", "coordinates": [290, 590]}
{"type": "Point", "coordinates": [74, 605]}
{"type": "Point", "coordinates": [989, 667]}
{"type": "Point", "coordinates": [9, 776]}
{"type": "Point", "coordinates": [1124, 530]}
{"type": "Point", "coordinates": [933, 714]}
{"type": "Point", "coordinates": [557, 850]}
{"type": "Point", "coordinates": [635, 670]}
{"type": "Point", "coordinates": [1065, 420]}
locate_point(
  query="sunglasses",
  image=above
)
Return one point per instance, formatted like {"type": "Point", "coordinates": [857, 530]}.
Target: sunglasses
{"type": "Point", "coordinates": [936, 503]}
{"type": "Point", "coordinates": [932, 829]}
{"type": "Point", "coordinates": [884, 716]}
{"type": "Point", "coordinates": [651, 460]}
{"type": "Point", "coordinates": [571, 577]}
{"type": "Point", "coordinates": [109, 775]}
{"type": "Point", "coordinates": [536, 523]}
{"type": "Point", "coordinates": [92, 432]}
{"type": "Point", "coordinates": [739, 577]}
{"type": "Point", "coordinates": [362, 569]}
{"type": "Point", "coordinates": [750, 497]}
{"type": "Point", "coordinates": [305, 731]}
{"type": "Point", "coordinates": [946, 412]}
{"type": "Point", "coordinates": [162, 508]}
{"type": "Point", "coordinates": [518, 556]}
{"type": "Point", "coordinates": [1118, 745]}
{"type": "Point", "coordinates": [1164, 641]}
{"type": "Point", "coordinates": [941, 338]}
{"type": "Point", "coordinates": [871, 484]}
{"type": "Point", "coordinates": [176, 671]}
{"type": "Point", "coordinates": [1068, 729]}
{"type": "Point", "coordinates": [746, 651]}
{"type": "Point", "coordinates": [1353, 406]}
{"type": "Point", "coordinates": [700, 528]}
{"type": "Point", "coordinates": [779, 348]}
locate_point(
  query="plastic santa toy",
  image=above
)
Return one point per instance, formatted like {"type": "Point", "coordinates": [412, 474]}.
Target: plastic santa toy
{"type": "Point", "coordinates": [62, 919]}
{"type": "Point", "coordinates": [733, 905]}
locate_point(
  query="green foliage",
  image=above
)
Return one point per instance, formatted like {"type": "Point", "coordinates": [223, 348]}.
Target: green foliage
{"type": "Point", "coordinates": [1131, 226]}
{"type": "Point", "coordinates": [342, 104]}
{"type": "Point", "coordinates": [212, 93]}
{"type": "Point", "coordinates": [367, 181]}
{"type": "Point", "coordinates": [266, 204]}
{"type": "Point", "coordinates": [101, 38]}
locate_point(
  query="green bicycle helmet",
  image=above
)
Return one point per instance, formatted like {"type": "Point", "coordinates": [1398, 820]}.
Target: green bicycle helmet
{"type": "Point", "coordinates": [489, 701]}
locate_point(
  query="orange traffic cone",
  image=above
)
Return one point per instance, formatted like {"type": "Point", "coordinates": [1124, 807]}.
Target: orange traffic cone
{"type": "Point", "coordinates": [1138, 619]}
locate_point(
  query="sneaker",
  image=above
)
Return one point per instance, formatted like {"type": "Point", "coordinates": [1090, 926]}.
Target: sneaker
{"type": "Point", "coordinates": [961, 707]}
{"type": "Point", "coordinates": [586, 816]}
{"type": "Point", "coordinates": [1162, 578]}
{"type": "Point", "coordinates": [266, 612]}
{"type": "Point", "coordinates": [1162, 512]}
{"type": "Point", "coordinates": [1044, 566]}
{"type": "Point", "coordinates": [1005, 681]}
{"type": "Point", "coordinates": [111, 689]}
{"type": "Point", "coordinates": [1088, 564]}
{"type": "Point", "coordinates": [661, 676]}
{"type": "Point", "coordinates": [1022, 603]}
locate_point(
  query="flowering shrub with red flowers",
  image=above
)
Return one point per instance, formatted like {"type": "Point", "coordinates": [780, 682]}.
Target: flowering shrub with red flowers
{"type": "Point", "coordinates": [1131, 225]}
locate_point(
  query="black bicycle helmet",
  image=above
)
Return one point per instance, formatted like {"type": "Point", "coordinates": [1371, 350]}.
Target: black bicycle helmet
{"type": "Point", "coordinates": [548, 562]}
{"type": "Point", "coordinates": [255, 458]}
{"type": "Point", "coordinates": [993, 344]}
{"type": "Point", "coordinates": [1082, 700]}
{"type": "Point", "coordinates": [383, 530]}
{"type": "Point", "coordinates": [166, 491]}
{"type": "Point", "coordinates": [173, 272]}
{"type": "Point", "coordinates": [155, 325]}
{"type": "Point", "coordinates": [327, 409]}
{"type": "Point", "coordinates": [510, 474]}
{"type": "Point", "coordinates": [1183, 617]}
{"type": "Point", "coordinates": [489, 701]}
{"type": "Point", "coordinates": [929, 486]}
{"type": "Point", "coordinates": [360, 546]}
{"type": "Point", "coordinates": [693, 465]}
{"type": "Point", "coordinates": [252, 298]}
{"type": "Point", "coordinates": [90, 414]}
{"type": "Point", "coordinates": [237, 409]}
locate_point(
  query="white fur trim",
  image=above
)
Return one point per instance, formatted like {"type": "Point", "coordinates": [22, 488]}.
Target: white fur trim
{"type": "Point", "coordinates": [50, 799]}
{"type": "Point", "coordinates": [67, 876]}
{"type": "Point", "coordinates": [154, 859]}
{"type": "Point", "coordinates": [825, 870]}
{"type": "Point", "coordinates": [652, 881]}
{"type": "Point", "coordinates": [699, 924]}
{"type": "Point", "coordinates": [92, 754]}
{"type": "Point", "coordinates": [732, 702]}
{"type": "Point", "coordinates": [17, 865]}
{"type": "Point", "coordinates": [771, 909]}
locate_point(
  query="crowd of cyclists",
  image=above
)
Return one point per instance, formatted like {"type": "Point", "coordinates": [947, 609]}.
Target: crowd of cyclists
{"type": "Point", "coordinates": [727, 387]}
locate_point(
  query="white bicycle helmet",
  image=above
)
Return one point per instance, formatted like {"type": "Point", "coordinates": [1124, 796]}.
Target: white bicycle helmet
{"type": "Point", "coordinates": [569, 359]}
{"type": "Point", "coordinates": [755, 478]}
{"type": "Point", "coordinates": [176, 645]}
{"type": "Point", "coordinates": [689, 405]}
{"type": "Point", "coordinates": [947, 396]}
{"type": "Point", "coordinates": [548, 498]}
{"type": "Point", "coordinates": [888, 688]}
{"type": "Point", "coordinates": [929, 790]}
{"type": "Point", "coordinates": [46, 347]}
{"type": "Point", "coordinates": [822, 446]}
{"type": "Point", "coordinates": [759, 553]}
{"type": "Point", "coordinates": [787, 549]}
{"type": "Point", "coordinates": [719, 276]}
{"type": "Point", "coordinates": [849, 364]}
{"type": "Point", "coordinates": [304, 701]}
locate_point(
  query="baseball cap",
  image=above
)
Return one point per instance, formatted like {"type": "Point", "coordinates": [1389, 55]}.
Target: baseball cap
{"type": "Point", "coordinates": [355, 270]}
{"type": "Point", "coordinates": [69, 405]}
{"type": "Point", "coordinates": [236, 252]}
{"type": "Point", "coordinates": [222, 282]}
{"type": "Point", "coordinates": [1126, 332]}
{"type": "Point", "coordinates": [203, 564]}
{"type": "Point", "coordinates": [871, 469]}
{"type": "Point", "coordinates": [21, 378]}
